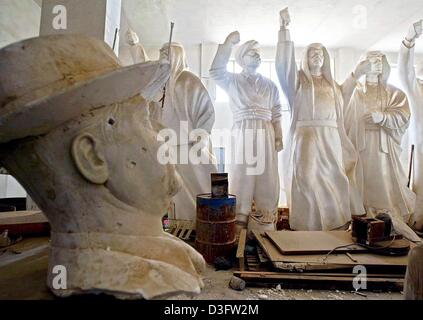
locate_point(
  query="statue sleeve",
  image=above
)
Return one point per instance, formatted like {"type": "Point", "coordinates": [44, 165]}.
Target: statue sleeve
{"type": "Point", "coordinates": [397, 114]}
{"type": "Point", "coordinates": [347, 89]}
{"type": "Point", "coordinates": [406, 71]}
{"type": "Point", "coordinates": [276, 108]}
{"type": "Point", "coordinates": [204, 110]}
{"type": "Point", "coordinates": [286, 66]}
{"type": "Point", "coordinates": [195, 99]}
{"type": "Point", "coordinates": [218, 71]}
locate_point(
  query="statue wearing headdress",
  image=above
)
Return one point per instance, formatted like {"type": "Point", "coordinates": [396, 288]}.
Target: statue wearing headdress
{"type": "Point", "coordinates": [376, 120]}
{"type": "Point", "coordinates": [132, 51]}
{"type": "Point", "coordinates": [320, 159]}
{"type": "Point", "coordinates": [189, 112]}
{"type": "Point", "coordinates": [254, 101]}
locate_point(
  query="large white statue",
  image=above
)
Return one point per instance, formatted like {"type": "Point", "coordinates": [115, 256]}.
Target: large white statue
{"type": "Point", "coordinates": [413, 87]}
{"type": "Point", "coordinates": [320, 177]}
{"type": "Point", "coordinates": [132, 51]}
{"type": "Point", "coordinates": [75, 132]}
{"type": "Point", "coordinates": [254, 101]}
{"type": "Point", "coordinates": [188, 108]}
{"type": "Point", "coordinates": [376, 120]}
{"type": "Point", "coordinates": [413, 285]}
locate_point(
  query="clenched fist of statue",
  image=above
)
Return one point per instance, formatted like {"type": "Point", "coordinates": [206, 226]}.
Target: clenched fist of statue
{"type": "Point", "coordinates": [285, 18]}
{"type": "Point", "coordinates": [362, 69]}
{"type": "Point", "coordinates": [415, 31]}
{"type": "Point", "coordinates": [233, 39]}
{"type": "Point", "coordinates": [375, 117]}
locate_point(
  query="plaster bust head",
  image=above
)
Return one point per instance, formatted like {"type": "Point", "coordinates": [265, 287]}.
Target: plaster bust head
{"type": "Point", "coordinates": [76, 133]}
{"type": "Point", "coordinates": [315, 56]}
{"type": "Point", "coordinates": [248, 56]}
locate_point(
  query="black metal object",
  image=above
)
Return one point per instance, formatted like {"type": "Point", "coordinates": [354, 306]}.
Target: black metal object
{"type": "Point", "coordinates": [219, 185]}
{"type": "Point", "coordinates": [12, 204]}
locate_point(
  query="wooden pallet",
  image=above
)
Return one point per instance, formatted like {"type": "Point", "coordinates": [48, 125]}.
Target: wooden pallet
{"type": "Point", "coordinates": [182, 229]}
{"type": "Point", "coordinates": [268, 266]}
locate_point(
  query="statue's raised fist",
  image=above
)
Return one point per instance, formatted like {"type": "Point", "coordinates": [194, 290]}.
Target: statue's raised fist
{"type": "Point", "coordinates": [233, 39]}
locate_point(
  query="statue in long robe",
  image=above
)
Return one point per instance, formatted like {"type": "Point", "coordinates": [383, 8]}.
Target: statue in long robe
{"type": "Point", "coordinates": [376, 120]}
{"type": "Point", "coordinates": [187, 107]}
{"type": "Point", "coordinates": [413, 87]}
{"type": "Point", "coordinates": [132, 51]}
{"type": "Point", "coordinates": [255, 104]}
{"type": "Point", "coordinates": [320, 176]}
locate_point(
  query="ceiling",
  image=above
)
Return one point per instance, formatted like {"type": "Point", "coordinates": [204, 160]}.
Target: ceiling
{"type": "Point", "coordinates": [336, 23]}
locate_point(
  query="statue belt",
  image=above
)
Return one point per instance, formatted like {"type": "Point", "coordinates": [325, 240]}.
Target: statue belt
{"type": "Point", "coordinates": [317, 123]}
{"type": "Point", "coordinates": [253, 114]}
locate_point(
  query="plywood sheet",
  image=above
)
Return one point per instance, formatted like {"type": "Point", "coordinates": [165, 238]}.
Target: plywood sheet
{"type": "Point", "coordinates": [324, 261]}
{"type": "Point", "coordinates": [313, 242]}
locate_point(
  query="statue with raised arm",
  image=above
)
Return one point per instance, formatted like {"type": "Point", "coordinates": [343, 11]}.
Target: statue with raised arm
{"type": "Point", "coordinates": [321, 160]}
{"type": "Point", "coordinates": [376, 119]}
{"type": "Point", "coordinates": [413, 87]}
{"type": "Point", "coordinates": [254, 101]}
{"type": "Point", "coordinates": [75, 132]}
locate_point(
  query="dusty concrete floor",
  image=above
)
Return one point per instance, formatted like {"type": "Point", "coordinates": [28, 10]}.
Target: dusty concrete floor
{"type": "Point", "coordinates": [23, 274]}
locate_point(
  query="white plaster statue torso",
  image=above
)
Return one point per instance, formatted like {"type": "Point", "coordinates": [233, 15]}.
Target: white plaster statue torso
{"type": "Point", "coordinates": [187, 107]}
{"type": "Point", "coordinates": [376, 120]}
{"type": "Point", "coordinates": [132, 51]}
{"type": "Point", "coordinates": [413, 87]}
{"type": "Point", "coordinates": [254, 101]}
{"type": "Point", "coordinates": [321, 160]}
{"type": "Point", "coordinates": [78, 137]}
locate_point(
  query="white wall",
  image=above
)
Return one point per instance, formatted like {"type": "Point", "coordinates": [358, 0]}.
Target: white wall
{"type": "Point", "coordinates": [10, 188]}
{"type": "Point", "coordinates": [19, 19]}
{"type": "Point", "coordinates": [95, 18]}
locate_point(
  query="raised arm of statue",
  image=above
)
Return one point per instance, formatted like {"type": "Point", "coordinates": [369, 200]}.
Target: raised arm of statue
{"type": "Point", "coordinates": [286, 66]}
{"type": "Point", "coordinates": [349, 85]}
{"type": "Point", "coordinates": [218, 70]}
{"type": "Point", "coordinates": [406, 71]}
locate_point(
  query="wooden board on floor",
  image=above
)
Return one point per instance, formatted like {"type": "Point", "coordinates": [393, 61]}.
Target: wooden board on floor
{"type": "Point", "coordinates": [24, 223]}
{"type": "Point", "coordinates": [323, 261]}
{"type": "Point", "coordinates": [22, 217]}
{"type": "Point", "coordinates": [240, 252]}
{"type": "Point", "coordinates": [313, 242]}
{"type": "Point", "coordinates": [332, 278]}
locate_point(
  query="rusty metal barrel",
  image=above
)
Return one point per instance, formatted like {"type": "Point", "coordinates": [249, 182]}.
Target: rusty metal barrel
{"type": "Point", "coordinates": [216, 217]}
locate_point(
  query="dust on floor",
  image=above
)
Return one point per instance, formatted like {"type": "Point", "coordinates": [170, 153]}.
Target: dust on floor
{"type": "Point", "coordinates": [25, 278]}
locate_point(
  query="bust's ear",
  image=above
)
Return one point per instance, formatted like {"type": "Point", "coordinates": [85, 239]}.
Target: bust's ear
{"type": "Point", "coordinates": [88, 159]}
